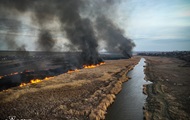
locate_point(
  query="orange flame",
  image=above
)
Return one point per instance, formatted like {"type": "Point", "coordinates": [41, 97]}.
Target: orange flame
{"type": "Point", "coordinates": [102, 63]}
{"type": "Point", "coordinates": [23, 84]}
{"type": "Point", "coordinates": [34, 81]}
{"type": "Point", "coordinates": [93, 66]}
{"type": "Point", "coordinates": [47, 78]}
{"type": "Point", "coordinates": [71, 71]}
{"type": "Point", "coordinates": [15, 73]}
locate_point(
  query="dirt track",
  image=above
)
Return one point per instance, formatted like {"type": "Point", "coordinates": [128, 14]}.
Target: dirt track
{"type": "Point", "coordinates": [169, 95]}
{"type": "Point", "coordinates": [85, 94]}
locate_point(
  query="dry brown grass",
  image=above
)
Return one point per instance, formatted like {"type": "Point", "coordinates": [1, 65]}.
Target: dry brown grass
{"type": "Point", "coordinates": [85, 94]}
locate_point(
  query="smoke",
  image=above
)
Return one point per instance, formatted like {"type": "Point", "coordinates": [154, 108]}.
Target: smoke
{"type": "Point", "coordinates": [81, 34]}
{"type": "Point", "coordinates": [78, 30]}
{"type": "Point", "coordinates": [82, 22]}
{"type": "Point", "coordinates": [11, 28]}
{"type": "Point", "coordinates": [114, 37]}
{"type": "Point", "coordinates": [107, 30]}
{"type": "Point", "coordinates": [45, 41]}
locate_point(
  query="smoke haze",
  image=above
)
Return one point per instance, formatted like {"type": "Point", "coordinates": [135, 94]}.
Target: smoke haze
{"type": "Point", "coordinates": [83, 22]}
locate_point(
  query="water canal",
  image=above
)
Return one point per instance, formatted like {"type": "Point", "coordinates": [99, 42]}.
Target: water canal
{"type": "Point", "coordinates": [129, 102]}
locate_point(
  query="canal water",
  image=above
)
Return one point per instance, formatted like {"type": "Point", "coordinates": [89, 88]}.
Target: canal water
{"type": "Point", "coordinates": [129, 102]}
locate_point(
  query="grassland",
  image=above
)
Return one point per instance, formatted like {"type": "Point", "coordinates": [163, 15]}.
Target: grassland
{"type": "Point", "coordinates": [83, 94]}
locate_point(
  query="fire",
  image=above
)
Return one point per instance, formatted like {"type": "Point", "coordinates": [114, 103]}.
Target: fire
{"type": "Point", "coordinates": [47, 78]}
{"type": "Point", "coordinates": [23, 84]}
{"type": "Point", "coordinates": [89, 66]}
{"type": "Point", "coordinates": [34, 81]}
{"type": "Point", "coordinates": [71, 71]}
{"type": "Point", "coordinates": [15, 73]}
{"type": "Point", "coordinates": [93, 66]}
{"type": "Point", "coordinates": [102, 63]}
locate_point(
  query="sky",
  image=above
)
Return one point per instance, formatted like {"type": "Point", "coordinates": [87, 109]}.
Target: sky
{"type": "Point", "coordinates": [157, 25]}
{"type": "Point", "coordinates": [153, 25]}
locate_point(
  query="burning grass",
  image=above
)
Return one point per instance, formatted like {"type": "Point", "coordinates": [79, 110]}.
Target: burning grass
{"type": "Point", "coordinates": [80, 95]}
{"type": "Point", "coordinates": [71, 71]}
{"type": "Point", "coordinates": [15, 73]}
{"type": "Point", "coordinates": [34, 81]}
{"type": "Point", "coordinates": [93, 66]}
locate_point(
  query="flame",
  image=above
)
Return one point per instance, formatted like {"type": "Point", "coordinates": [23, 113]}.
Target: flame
{"type": "Point", "coordinates": [47, 78]}
{"type": "Point", "coordinates": [89, 66]}
{"type": "Point", "coordinates": [93, 66]}
{"type": "Point", "coordinates": [102, 63]}
{"type": "Point", "coordinates": [71, 71]}
{"type": "Point", "coordinates": [23, 84]}
{"type": "Point", "coordinates": [34, 81]}
{"type": "Point", "coordinates": [15, 73]}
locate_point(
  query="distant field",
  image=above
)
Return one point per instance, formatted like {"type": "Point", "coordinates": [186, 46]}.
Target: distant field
{"type": "Point", "coordinates": [17, 67]}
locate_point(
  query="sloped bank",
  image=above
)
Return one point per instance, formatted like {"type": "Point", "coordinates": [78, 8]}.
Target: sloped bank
{"type": "Point", "coordinates": [108, 94]}
{"type": "Point", "coordinates": [84, 94]}
{"type": "Point", "coordinates": [130, 101]}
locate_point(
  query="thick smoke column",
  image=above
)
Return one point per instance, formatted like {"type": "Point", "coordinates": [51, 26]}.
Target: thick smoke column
{"type": "Point", "coordinates": [82, 36]}
{"type": "Point", "coordinates": [45, 41]}
{"type": "Point", "coordinates": [82, 30]}
{"type": "Point", "coordinates": [114, 37]}
{"type": "Point", "coordinates": [79, 30]}
{"type": "Point", "coordinates": [106, 28]}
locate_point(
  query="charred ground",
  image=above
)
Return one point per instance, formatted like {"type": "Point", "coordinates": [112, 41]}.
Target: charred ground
{"type": "Point", "coordinates": [84, 94]}
{"type": "Point", "coordinates": [22, 67]}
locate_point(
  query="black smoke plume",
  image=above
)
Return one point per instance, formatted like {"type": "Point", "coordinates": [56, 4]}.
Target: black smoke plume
{"type": "Point", "coordinates": [45, 41]}
{"type": "Point", "coordinates": [114, 37]}
{"type": "Point", "coordinates": [83, 22]}
{"type": "Point", "coordinates": [79, 30]}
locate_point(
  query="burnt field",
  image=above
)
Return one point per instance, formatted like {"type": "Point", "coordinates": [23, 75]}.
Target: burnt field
{"type": "Point", "coordinates": [79, 95]}
{"type": "Point", "coordinates": [22, 67]}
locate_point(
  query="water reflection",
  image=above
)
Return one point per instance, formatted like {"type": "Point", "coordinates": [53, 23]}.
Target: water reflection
{"type": "Point", "coordinates": [130, 101]}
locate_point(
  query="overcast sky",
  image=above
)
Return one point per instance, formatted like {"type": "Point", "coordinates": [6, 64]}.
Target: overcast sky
{"type": "Point", "coordinates": [154, 25]}
{"type": "Point", "coordinates": [157, 25]}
